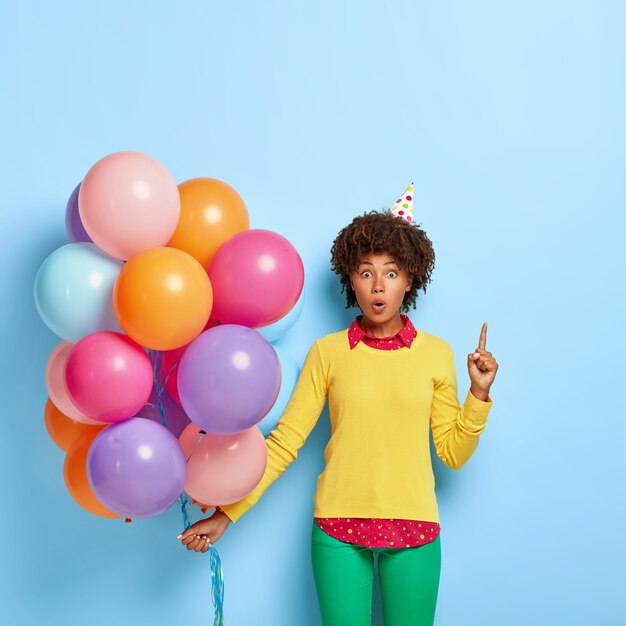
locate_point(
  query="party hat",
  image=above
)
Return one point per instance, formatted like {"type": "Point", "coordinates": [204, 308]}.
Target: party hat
{"type": "Point", "coordinates": [404, 205]}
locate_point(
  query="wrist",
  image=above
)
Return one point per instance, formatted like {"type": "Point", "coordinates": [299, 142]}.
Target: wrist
{"type": "Point", "coordinates": [480, 394]}
{"type": "Point", "coordinates": [221, 513]}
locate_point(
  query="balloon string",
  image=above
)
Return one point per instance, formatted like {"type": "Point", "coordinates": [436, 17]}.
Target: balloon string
{"type": "Point", "coordinates": [167, 377]}
{"type": "Point", "coordinates": [156, 366]}
{"type": "Point", "coordinates": [217, 576]}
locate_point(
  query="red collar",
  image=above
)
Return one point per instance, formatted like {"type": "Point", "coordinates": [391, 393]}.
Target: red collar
{"type": "Point", "coordinates": [407, 334]}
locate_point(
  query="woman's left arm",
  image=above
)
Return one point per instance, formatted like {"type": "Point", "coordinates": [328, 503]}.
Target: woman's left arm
{"type": "Point", "coordinates": [457, 429]}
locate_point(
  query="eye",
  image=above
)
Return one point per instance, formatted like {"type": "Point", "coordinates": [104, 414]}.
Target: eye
{"type": "Point", "coordinates": [395, 274]}
{"type": "Point", "coordinates": [365, 272]}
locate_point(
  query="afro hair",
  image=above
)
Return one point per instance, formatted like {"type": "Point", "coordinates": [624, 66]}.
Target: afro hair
{"type": "Point", "coordinates": [378, 232]}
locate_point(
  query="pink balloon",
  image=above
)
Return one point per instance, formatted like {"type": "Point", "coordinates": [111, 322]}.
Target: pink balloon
{"type": "Point", "coordinates": [257, 277]}
{"type": "Point", "coordinates": [223, 468]}
{"type": "Point", "coordinates": [55, 384]}
{"type": "Point", "coordinates": [108, 376]}
{"type": "Point", "coordinates": [128, 202]}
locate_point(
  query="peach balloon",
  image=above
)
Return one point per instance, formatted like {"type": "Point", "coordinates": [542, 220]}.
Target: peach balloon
{"type": "Point", "coordinates": [63, 430]}
{"type": "Point", "coordinates": [211, 212]}
{"type": "Point", "coordinates": [224, 468]}
{"type": "Point", "coordinates": [55, 384]}
{"type": "Point", "coordinates": [162, 298]}
{"type": "Point", "coordinates": [189, 439]}
{"type": "Point", "coordinates": [128, 202]}
{"type": "Point", "coordinates": [75, 476]}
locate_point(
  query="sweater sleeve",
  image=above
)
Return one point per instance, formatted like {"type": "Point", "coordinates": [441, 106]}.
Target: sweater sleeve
{"type": "Point", "coordinates": [456, 429]}
{"type": "Point", "coordinates": [293, 428]}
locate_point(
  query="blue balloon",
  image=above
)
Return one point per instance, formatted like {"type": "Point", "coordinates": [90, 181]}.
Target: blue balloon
{"type": "Point", "coordinates": [74, 289]}
{"type": "Point", "coordinates": [290, 372]}
{"type": "Point", "coordinates": [274, 331]}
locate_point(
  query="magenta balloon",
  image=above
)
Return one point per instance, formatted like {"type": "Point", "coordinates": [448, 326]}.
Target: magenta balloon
{"type": "Point", "coordinates": [73, 225]}
{"type": "Point", "coordinates": [228, 379]}
{"type": "Point", "coordinates": [136, 468]}
{"type": "Point", "coordinates": [257, 277]}
{"type": "Point", "coordinates": [108, 376]}
{"type": "Point", "coordinates": [225, 468]}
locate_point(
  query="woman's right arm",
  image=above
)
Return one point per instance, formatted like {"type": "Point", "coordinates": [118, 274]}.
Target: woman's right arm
{"type": "Point", "coordinates": [293, 428]}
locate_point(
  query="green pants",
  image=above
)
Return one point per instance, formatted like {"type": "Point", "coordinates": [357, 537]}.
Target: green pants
{"type": "Point", "coordinates": [344, 573]}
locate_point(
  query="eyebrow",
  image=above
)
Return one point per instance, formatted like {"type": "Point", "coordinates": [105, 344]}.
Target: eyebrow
{"type": "Point", "coordinates": [370, 263]}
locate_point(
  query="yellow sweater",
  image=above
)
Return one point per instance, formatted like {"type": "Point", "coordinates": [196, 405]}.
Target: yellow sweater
{"type": "Point", "coordinates": [382, 403]}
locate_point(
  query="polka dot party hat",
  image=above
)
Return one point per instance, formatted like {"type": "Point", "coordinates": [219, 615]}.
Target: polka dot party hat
{"type": "Point", "coordinates": [404, 205]}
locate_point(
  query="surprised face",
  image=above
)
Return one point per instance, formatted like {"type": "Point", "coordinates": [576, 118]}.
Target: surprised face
{"type": "Point", "coordinates": [379, 285]}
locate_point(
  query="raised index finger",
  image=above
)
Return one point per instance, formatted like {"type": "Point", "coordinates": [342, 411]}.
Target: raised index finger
{"type": "Point", "coordinates": [482, 342]}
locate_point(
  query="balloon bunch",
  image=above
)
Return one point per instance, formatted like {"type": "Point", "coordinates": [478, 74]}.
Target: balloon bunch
{"type": "Point", "coordinates": [166, 303]}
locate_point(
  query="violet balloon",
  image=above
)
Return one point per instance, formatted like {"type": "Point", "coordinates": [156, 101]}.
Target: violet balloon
{"type": "Point", "coordinates": [257, 277]}
{"type": "Point", "coordinates": [228, 379]}
{"type": "Point", "coordinates": [73, 224]}
{"type": "Point", "coordinates": [136, 468]}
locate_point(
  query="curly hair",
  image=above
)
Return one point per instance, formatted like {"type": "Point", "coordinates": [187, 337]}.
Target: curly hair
{"type": "Point", "coordinates": [378, 232]}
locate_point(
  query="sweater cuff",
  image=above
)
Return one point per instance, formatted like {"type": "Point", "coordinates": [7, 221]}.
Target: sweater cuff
{"type": "Point", "coordinates": [233, 511]}
{"type": "Point", "coordinates": [475, 412]}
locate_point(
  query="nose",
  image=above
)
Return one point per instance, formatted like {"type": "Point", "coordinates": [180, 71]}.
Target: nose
{"type": "Point", "coordinates": [377, 286]}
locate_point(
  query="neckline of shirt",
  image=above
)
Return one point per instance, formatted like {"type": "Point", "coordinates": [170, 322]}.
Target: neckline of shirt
{"type": "Point", "coordinates": [416, 342]}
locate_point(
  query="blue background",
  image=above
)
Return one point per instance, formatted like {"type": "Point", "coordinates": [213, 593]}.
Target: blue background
{"type": "Point", "coordinates": [509, 118]}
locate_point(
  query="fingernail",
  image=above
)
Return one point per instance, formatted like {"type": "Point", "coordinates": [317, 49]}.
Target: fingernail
{"type": "Point", "coordinates": [179, 537]}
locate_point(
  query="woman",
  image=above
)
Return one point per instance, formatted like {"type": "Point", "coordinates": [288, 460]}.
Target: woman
{"type": "Point", "coordinates": [387, 385]}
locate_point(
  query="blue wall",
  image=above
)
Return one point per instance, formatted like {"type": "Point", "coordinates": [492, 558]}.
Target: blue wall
{"type": "Point", "coordinates": [509, 117]}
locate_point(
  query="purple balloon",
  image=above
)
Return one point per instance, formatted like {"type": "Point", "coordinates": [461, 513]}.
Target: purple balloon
{"type": "Point", "coordinates": [73, 224]}
{"type": "Point", "coordinates": [136, 468]}
{"type": "Point", "coordinates": [228, 379]}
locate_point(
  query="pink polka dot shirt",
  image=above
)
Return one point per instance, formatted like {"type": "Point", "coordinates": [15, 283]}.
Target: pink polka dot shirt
{"type": "Point", "coordinates": [375, 532]}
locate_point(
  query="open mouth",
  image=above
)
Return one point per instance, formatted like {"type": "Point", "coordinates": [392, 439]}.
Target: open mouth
{"type": "Point", "coordinates": [379, 307]}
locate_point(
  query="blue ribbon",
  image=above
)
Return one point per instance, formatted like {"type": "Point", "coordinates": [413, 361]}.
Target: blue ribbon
{"type": "Point", "coordinates": [217, 577]}
{"type": "Point", "coordinates": [156, 358]}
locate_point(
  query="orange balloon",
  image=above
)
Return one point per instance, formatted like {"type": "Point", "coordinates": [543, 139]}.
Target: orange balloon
{"type": "Point", "coordinates": [75, 475]}
{"type": "Point", "coordinates": [63, 430]}
{"type": "Point", "coordinates": [210, 213]}
{"type": "Point", "coordinates": [162, 298]}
